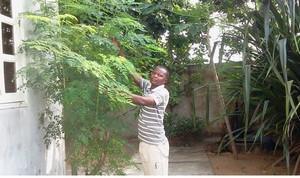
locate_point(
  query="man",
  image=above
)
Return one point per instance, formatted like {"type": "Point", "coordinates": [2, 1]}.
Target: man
{"type": "Point", "coordinates": [154, 146]}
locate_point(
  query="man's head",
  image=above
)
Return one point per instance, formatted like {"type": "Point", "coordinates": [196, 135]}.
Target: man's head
{"type": "Point", "coordinates": [159, 76]}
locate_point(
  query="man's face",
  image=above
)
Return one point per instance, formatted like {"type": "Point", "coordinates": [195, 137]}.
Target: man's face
{"type": "Point", "coordinates": [158, 76]}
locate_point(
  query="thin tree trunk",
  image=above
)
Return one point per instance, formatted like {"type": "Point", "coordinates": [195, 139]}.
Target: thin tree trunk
{"type": "Point", "coordinates": [221, 99]}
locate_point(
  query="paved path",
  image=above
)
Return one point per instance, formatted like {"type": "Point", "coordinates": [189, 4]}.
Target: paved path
{"type": "Point", "coordinates": [182, 161]}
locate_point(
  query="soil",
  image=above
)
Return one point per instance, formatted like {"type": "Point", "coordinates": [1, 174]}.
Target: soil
{"type": "Point", "coordinates": [256, 162]}
{"type": "Point", "coordinates": [246, 164]}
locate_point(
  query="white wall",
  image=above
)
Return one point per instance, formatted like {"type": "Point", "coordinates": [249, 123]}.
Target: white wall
{"type": "Point", "coordinates": [22, 149]}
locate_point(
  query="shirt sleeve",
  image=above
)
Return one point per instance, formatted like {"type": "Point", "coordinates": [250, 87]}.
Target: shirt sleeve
{"type": "Point", "coordinates": [160, 97]}
{"type": "Point", "coordinates": [144, 83]}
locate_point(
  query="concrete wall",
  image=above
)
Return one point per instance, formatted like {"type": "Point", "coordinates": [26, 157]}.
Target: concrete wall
{"type": "Point", "coordinates": [22, 150]}
{"type": "Point", "coordinates": [215, 124]}
{"type": "Point", "coordinates": [210, 97]}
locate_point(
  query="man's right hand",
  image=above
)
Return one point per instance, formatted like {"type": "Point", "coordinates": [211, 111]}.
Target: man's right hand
{"type": "Point", "coordinates": [137, 78]}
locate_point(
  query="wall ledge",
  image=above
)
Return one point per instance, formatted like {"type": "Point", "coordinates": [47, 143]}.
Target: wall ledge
{"type": "Point", "coordinates": [13, 105]}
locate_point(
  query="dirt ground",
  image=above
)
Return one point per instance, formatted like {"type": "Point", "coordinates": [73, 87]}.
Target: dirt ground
{"type": "Point", "coordinates": [246, 164]}
{"type": "Point", "coordinates": [257, 162]}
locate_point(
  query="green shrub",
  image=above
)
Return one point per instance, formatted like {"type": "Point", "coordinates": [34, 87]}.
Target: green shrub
{"type": "Point", "coordinates": [182, 126]}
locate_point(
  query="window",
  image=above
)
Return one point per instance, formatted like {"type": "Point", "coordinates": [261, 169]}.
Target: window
{"type": "Point", "coordinates": [7, 39]}
{"type": "Point", "coordinates": [9, 76]}
{"type": "Point", "coordinates": [9, 59]}
{"type": "Point", "coordinates": [5, 8]}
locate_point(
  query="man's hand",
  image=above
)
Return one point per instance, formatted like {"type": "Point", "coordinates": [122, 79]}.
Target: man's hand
{"type": "Point", "coordinates": [136, 77]}
{"type": "Point", "coordinates": [130, 67]}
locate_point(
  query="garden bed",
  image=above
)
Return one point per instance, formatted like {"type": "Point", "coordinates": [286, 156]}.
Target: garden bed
{"type": "Point", "coordinates": [246, 164]}
{"type": "Point", "coordinates": [257, 162]}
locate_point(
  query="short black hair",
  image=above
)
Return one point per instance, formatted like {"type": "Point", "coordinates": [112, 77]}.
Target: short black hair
{"type": "Point", "coordinates": [166, 69]}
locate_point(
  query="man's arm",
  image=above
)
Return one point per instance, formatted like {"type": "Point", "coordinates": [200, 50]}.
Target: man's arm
{"type": "Point", "coordinates": [143, 100]}
{"type": "Point", "coordinates": [136, 77]}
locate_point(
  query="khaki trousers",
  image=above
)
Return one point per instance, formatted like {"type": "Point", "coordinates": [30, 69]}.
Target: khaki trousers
{"type": "Point", "coordinates": [155, 158]}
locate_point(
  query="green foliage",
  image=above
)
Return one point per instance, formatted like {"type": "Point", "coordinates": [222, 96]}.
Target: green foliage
{"type": "Point", "coordinates": [182, 25]}
{"type": "Point", "coordinates": [181, 126]}
{"type": "Point", "coordinates": [269, 96]}
{"type": "Point", "coordinates": [75, 64]}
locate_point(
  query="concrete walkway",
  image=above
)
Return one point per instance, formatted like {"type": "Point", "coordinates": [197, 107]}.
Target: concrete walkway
{"type": "Point", "coordinates": [182, 161]}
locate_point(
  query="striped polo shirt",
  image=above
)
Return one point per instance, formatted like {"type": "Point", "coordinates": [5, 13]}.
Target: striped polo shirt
{"type": "Point", "coordinates": [150, 123]}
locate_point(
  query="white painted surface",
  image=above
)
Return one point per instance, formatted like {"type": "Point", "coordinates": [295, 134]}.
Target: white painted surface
{"type": "Point", "coordinates": [22, 149]}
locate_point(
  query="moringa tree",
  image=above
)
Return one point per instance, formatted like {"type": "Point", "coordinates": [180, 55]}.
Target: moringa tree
{"type": "Point", "coordinates": [76, 65]}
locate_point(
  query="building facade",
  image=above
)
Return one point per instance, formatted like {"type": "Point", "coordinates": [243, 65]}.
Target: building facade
{"type": "Point", "coordinates": [22, 148]}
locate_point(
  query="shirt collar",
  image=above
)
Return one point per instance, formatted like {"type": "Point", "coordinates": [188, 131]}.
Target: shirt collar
{"type": "Point", "coordinates": [157, 88]}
